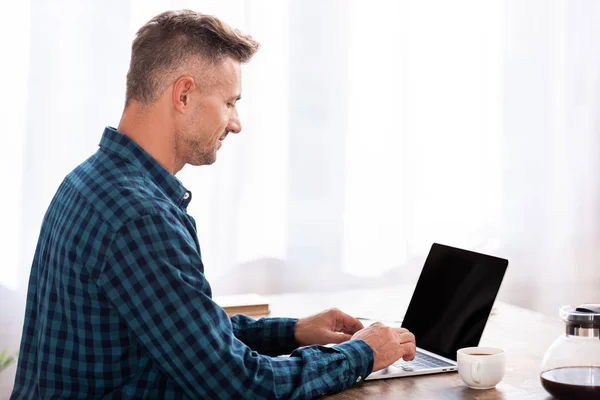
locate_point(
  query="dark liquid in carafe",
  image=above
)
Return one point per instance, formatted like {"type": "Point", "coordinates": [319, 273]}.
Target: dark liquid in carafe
{"type": "Point", "coordinates": [581, 383]}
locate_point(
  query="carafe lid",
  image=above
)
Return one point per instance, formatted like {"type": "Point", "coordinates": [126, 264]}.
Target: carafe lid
{"type": "Point", "coordinates": [585, 314]}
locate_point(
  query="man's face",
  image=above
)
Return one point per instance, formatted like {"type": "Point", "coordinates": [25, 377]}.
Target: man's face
{"type": "Point", "coordinates": [212, 115]}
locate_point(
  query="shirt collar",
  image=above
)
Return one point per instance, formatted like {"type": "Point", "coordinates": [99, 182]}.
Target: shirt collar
{"type": "Point", "coordinates": [124, 147]}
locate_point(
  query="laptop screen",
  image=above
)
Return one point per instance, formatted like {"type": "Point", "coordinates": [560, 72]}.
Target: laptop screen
{"type": "Point", "coordinates": [453, 299]}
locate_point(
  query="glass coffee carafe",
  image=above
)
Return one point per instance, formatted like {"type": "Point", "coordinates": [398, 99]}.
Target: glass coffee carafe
{"type": "Point", "coordinates": [571, 366]}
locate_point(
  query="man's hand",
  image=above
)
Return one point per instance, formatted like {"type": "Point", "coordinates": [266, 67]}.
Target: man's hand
{"type": "Point", "coordinates": [330, 326]}
{"type": "Point", "coordinates": [388, 344]}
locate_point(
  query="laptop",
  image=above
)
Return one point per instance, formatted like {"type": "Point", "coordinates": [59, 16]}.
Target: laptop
{"type": "Point", "coordinates": [449, 309]}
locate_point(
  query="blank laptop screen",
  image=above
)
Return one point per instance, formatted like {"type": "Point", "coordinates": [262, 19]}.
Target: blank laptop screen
{"type": "Point", "coordinates": [453, 299]}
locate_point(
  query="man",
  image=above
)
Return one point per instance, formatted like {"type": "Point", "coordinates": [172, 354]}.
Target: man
{"type": "Point", "coordinates": [118, 305]}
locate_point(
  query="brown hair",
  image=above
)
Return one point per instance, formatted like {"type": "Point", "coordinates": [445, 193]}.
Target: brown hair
{"type": "Point", "coordinates": [170, 39]}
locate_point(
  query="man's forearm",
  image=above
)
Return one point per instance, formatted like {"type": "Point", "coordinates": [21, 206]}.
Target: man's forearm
{"type": "Point", "coordinates": [268, 336]}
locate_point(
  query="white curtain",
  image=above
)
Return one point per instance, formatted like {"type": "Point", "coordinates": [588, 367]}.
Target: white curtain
{"type": "Point", "coordinates": [370, 130]}
{"type": "Point", "coordinates": [551, 142]}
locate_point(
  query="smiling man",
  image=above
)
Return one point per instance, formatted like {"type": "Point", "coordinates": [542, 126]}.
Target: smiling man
{"type": "Point", "coordinates": [118, 305]}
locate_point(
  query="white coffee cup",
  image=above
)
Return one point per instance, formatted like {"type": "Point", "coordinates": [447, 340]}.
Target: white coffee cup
{"type": "Point", "coordinates": [481, 367]}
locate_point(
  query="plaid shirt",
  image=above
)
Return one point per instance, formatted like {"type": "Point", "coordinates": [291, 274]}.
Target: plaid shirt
{"type": "Point", "coordinates": [118, 305]}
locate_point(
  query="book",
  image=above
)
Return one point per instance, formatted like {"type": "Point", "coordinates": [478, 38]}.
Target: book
{"type": "Point", "coordinates": [250, 304]}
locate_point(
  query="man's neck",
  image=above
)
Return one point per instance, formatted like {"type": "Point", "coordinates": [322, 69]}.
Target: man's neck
{"type": "Point", "coordinates": [148, 128]}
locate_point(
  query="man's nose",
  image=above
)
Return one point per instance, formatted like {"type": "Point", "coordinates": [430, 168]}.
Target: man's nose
{"type": "Point", "coordinates": [235, 125]}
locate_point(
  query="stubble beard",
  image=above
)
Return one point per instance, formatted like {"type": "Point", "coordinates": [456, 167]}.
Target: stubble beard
{"type": "Point", "coordinates": [195, 150]}
{"type": "Point", "coordinates": [200, 154]}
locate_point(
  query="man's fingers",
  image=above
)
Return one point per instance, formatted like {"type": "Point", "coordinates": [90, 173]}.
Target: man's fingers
{"type": "Point", "coordinates": [409, 349]}
{"type": "Point", "coordinates": [338, 337]}
{"type": "Point", "coordinates": [408, 344]}
{"type": "Point", "coordinates": [347, 324]}
{"type": "Point", "coordinates": [406, 337]}
{"type": "Point", "coordinates": [353, 327]}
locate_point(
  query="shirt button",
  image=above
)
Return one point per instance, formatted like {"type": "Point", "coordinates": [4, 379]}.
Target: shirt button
{"type": "Point", "coordinates": [358, 379]}
{"type": "Point", "coordinates": [186, 195]}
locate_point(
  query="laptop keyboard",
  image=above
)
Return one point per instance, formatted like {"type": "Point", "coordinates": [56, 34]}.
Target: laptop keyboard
{"type": "Point", "coordinates": [421, 361]}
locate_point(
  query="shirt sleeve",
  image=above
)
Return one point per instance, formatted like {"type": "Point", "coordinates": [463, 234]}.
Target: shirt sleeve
{"type": "Point", "coordinates": [153, 278]}
{"type": "Point", "coordinates": [270, 336]}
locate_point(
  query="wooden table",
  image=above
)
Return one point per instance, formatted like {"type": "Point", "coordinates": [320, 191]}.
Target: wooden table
{"type": "Point", "coordinates": [524, 334]}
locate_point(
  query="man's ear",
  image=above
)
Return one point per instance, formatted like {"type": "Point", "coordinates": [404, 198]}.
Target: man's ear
{"type": "Point", "coordinates": [182, 90]}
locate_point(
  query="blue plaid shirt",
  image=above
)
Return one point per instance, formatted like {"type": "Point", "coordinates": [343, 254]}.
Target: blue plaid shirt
{"type": "Point", "coordinates": [118, 305]}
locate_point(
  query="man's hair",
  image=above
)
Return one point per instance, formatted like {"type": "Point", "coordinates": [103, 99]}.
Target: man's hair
{"type": "Point", "coordinates": [173, 38]}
